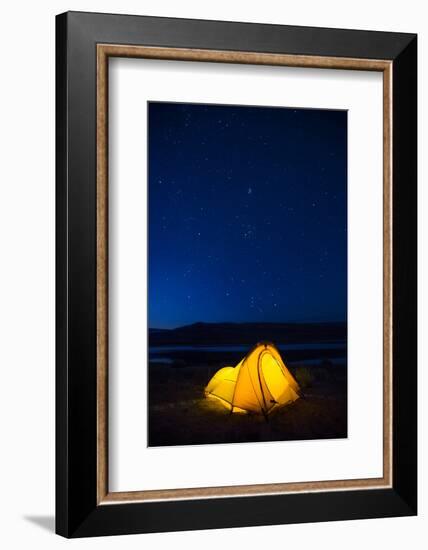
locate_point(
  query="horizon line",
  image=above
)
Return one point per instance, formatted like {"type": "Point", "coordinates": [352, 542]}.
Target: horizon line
{"type": "Point", "coordinates": [249, 323]}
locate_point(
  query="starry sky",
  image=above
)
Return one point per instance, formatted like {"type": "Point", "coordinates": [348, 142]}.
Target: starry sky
{"type": "Point", "coordinates": [247, 214]}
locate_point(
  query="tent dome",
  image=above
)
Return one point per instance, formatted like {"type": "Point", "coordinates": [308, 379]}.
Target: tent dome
{"type": "Point", "coordinates": [259, 383]}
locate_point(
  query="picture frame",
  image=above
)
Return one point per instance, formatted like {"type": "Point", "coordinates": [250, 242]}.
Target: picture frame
{"type": "Point", "coordinates": [84, 44]}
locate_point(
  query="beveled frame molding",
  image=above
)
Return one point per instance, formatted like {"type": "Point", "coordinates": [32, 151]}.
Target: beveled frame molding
{"type": "Point", "coordinates": [104, 52]}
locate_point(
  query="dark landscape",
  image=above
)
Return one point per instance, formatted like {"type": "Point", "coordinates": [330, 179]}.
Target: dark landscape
{"type": "Point", "coordinates": [182, 361]}
{"type": "Point", "coordinates": [247, 243]}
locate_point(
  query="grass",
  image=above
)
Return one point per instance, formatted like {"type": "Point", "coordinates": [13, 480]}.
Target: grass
{"type": "Point", "coordinates": [179, 414]}
{"type": "Point", "coordinates": [304, 377]}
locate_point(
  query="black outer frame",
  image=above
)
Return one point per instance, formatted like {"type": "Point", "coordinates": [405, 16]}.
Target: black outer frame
{"type": "Point", "coordinates": [77, 513]}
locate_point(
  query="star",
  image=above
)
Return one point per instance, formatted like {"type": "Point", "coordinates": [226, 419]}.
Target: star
{"type": "Point", "coordinates": [208, 235]}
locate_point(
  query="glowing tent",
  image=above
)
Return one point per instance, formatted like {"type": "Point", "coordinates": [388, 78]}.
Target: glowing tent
{"type": "Point", "coordinates": [259, 383]}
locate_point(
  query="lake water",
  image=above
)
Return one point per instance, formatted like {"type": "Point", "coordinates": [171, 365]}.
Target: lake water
{"type": "Point", "coordinates": [303, 353]}
{"type": "Point", "coordinates": [245, 348]}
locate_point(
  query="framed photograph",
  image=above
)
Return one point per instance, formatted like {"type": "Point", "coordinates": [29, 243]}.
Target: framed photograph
{"type": "Point", "coordinates": [236, 274]}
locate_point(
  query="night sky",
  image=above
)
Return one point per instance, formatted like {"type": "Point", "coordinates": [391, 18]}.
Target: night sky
{"type": "Point", "coordinates": [247, 214]}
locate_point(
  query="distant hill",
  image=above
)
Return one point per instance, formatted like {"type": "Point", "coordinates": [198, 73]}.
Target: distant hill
{"type": "Point", "coordinates": [248, 333]}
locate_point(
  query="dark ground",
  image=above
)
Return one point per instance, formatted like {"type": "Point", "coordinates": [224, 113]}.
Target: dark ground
{"type": "Point", "coordinates": [179, 414]}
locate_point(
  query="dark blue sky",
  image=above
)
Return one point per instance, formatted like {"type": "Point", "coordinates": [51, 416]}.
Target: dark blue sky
{"type": "Point", "coordinates": [247, 214]}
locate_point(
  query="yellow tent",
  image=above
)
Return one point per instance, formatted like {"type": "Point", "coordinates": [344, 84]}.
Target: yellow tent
{"type": "Point", "coordinates": [259, 383]}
